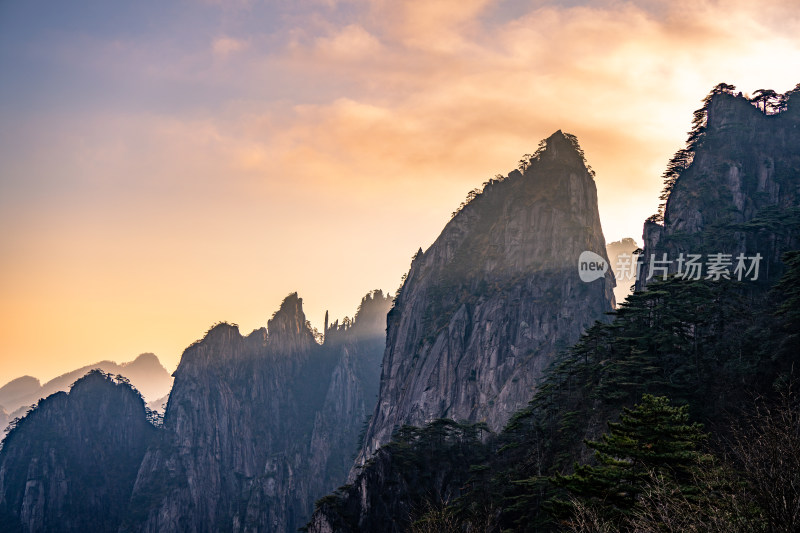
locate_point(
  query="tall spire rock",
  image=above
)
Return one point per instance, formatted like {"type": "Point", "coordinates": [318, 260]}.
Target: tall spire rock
{"type": "Point", "coordinates": [287, 329]}
{"type": "Point", "coordinates": [290, 320]}
{"type": "Point", "coordinates": [483, 311]}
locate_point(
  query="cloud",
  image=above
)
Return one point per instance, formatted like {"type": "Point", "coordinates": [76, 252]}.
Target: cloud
{"type": "Point", "coordinates": [442, 25]}
{"type": "Point", "coordinates": [224, 46]}
{"type": "Point", "coordinates": [448, 93]}
{"type": "Point", "coordinates": [350, 43]}
{"type": "Point", "coordinates": [281, 145]}
{"type": "Point", "coordinates": [456, 93]}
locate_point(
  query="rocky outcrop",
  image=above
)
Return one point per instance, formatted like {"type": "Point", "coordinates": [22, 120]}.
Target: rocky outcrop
{"type": "Point", "coordinates": [483, 311]}
{"type": "Point", "coordinates": [740, 193]}
{"type": "Point", "coordinates": [71, 463]}
{"type": "Point", "coordinates": [623, 262]}
{"type": "Point", "coordinates": [258, 427]}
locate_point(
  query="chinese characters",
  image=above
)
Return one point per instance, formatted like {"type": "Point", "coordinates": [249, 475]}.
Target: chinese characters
{"type": "Point", "coordinates": [712, 267]}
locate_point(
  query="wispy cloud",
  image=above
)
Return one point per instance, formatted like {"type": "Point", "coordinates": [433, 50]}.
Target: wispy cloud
{"type": "Point", "coordinates": [624, 77]}
{"type": "Point", "coordinates": [224, 46]}
{"type": "Point", "coordinates": [350, 43]}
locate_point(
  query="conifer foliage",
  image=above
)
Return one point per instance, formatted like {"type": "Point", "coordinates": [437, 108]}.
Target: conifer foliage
{"type": "Point", "coordinates": [653, 438]}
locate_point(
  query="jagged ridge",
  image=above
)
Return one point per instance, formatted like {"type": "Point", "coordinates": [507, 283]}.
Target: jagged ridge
{"type": "Point", "coordinates": [258, 427]}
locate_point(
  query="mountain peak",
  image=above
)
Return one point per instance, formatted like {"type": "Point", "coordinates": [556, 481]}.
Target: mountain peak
{"type": "Point", "coordinates": [289, 321]}
{"type": "Point", "coordinates": [483, 310]}
{"type": "Point", "coordinates": [94, 380]}
{"type": "Point", "coordinates": [727, 109]}
{"type": "Point", "coordinates": [292, 303]}
{"type": "Point", "coordinates": [19, 386]}
{"type": "Point", "coordinates": [83, 446]}
{"type": "Point", "coordinates": [145, 360]}
{"type": "Point", "coordinates": [290, 312]}
{"type": "Point", "coordinates": [562, 147]}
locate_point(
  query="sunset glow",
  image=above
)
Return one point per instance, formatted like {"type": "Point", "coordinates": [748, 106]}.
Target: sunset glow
{"type": "Point", "coordinates": [165, 166]}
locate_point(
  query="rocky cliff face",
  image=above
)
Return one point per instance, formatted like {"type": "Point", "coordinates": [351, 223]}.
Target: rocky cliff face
{"type": "Point", "coordinates": [258, 427]}
{"type": "Point", "coordinates": [71, 463]}
{"type": "Point", "coordinates": [739, 194]}
{"type": "Point", "coordinates": [483, 311]}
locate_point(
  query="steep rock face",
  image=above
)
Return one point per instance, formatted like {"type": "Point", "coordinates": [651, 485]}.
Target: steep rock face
{"type": "Point", "coordinates": [70, 464]}
{"type": "Point", "coordinates": [258, 427]}
{"type": "Point", "coordinates": [485, 308]}
{"type": "Point", "coordinates": [741, 192]}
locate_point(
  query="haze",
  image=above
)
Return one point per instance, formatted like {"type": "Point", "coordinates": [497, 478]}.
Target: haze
{"type": "Point", "coordinates": [164, 166]}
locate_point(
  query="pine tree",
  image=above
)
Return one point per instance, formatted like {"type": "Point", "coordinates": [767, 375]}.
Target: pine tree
{"type": "Point", "coordinates": [652, 438]}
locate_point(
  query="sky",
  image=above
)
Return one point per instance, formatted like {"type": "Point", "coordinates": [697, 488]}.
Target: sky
{"type": "Point", "coordinates": [168, 165]}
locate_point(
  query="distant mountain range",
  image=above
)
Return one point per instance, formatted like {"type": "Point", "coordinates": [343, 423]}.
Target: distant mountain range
{"type": "Point", "coordinates": [146, 373]}
{"type": "Point", "coordinates": [80, 452]}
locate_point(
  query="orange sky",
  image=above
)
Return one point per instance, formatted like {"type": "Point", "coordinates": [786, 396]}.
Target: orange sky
{"type": "Point", "coordinates": [165, 168]}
